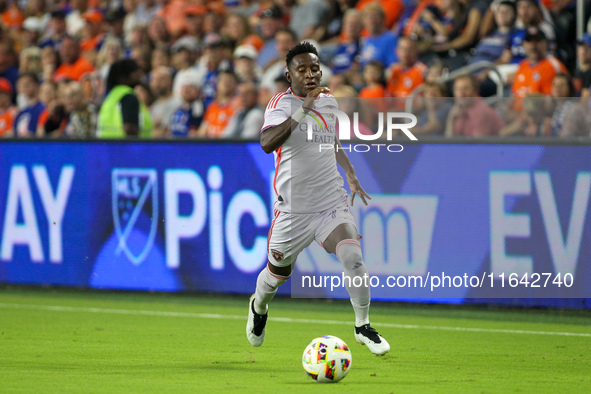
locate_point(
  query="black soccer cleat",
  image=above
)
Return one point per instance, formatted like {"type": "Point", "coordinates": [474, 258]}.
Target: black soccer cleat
{"type": "Point", "coordinates": [255, 326]}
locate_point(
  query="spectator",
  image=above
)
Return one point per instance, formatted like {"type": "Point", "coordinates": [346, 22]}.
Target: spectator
{"type": "Point", "coordinates": [81, 115]}
{"type": "Point", "coordinates": [239, 32]}
{"type": "Point", "coordinates": [439, 24]}
{"type": "Point", "coordinates": [73, 65]}
{"type": "Point", "coordinates": [93, 34]}
{"type": "Point", "coordinates": [583, 71]}
{"type": "Point", "coordinates": [142, 54]}
{"type": "Point", "coordinates": [529, 14]}
{"type": "Point", "coordinates": [375, 91]}
{"type": "Point", "coordinates": [122, 114]}
{"type": "Point", "coordinates": [57, 29]}
{"type": "Point", "coordinates": [195, 15]}
{"type": "Point", "coordinates": [12, 16]}
{"type": "Point", "coordinates": [568, 118]}
{"type": "Point", "coordinates": [157, 32]}
{"type": "Point", "coordinates": [307, 18]}
{"type": "Point", "coordinates": [491, 47]}
{"type": "Point", "coordinates": [215, 60]}
{"type": "Point", "coordinates": [247, 122]}
{"type": "Point", "coordinates": [409, 73]}
{"type": "Point", "coordinates": [146, 11]}
{"type": "Point", "coordinates": [285, 39]}
{"type": "Point", "coordinates": [187, 118]}
{"type": "Point", "coordinates": [536, 72]}
{"type": "Point", "coordinates": [115, 19]}
{"type": "Point", "coordinates": [25, 123]}
{"type": "Point", "coordinates": [110, 52]}
{"type": "Point", "coordinates": [379, 43]}
{"type": "Point", "coordinates": [347, 52]}
{"type": "Point", "coordinates": [173, 12]}
{"type": "Point", "coordinates": [32, 30]}
{"type": "Point", "coordinates": [7, 110]}
{"type": "Point", "coordinates": [466, 34]}
{"type": "Point", "coordinates": [49, 62]}
{"type": "Point", "coordinates": [30, 61]}
{"type": "Point", "coordinates": [184, 54]}
{"type": "Point", "coordinates": [218, 114]}
{"type": "Point", "coordinates": [349, 103]}
{"type": "Point", "coordinates": [75, 20]}
{"type": "Point", "coordinates": [165, 103]}
{"type": "Point", "coordinates": [436, 107]}
{"type": "Point", "coordinates": [144, 95]}
{"type": "Point", "coordinates": [160, 57]}
{"type": "Point", "coordinates": [392, 8]}
{"type": "Point", "coordinates": [53, 120]}
{"type": "Point", "coordinates": [533, 121]}
{"type": "Point", "coordinates": [8, 69]}
{"type": "Point", "coordinates": [470, 115]}
{"type": "Point", "coordinates": [245, 66]}
{"type": "Point", "coordinates": [214, 19]}
{"type": "Point", "coordinates": [271, 20]}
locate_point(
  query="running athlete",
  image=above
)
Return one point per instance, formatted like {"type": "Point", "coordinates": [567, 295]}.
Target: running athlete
{"type": "Point", "coordinates": [311, 201]}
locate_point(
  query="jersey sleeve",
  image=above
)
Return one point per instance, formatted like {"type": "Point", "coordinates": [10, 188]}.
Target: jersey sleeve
{"type": "Point", "coordinates": [277, 112]}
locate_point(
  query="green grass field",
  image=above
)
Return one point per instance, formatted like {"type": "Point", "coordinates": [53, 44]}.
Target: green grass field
{"type": "Point", "coordinates": [79, 341]}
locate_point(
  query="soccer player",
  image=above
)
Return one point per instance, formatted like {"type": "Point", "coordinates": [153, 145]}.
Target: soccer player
{"type": "Point", "coordinates": [311, 201]}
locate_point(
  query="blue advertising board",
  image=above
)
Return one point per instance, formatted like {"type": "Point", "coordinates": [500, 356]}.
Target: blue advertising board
{"type": "Point", "coordinates": [171, 216]}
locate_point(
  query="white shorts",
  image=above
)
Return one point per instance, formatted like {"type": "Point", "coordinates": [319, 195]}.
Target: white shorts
{"type": "Point", "coordinates": [290, 233]}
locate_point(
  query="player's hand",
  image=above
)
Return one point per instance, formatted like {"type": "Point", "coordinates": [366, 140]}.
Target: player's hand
{"type": "Point", "coordinates": [356, 188]}
{"type": "Point", "coordinates": [313, 95]}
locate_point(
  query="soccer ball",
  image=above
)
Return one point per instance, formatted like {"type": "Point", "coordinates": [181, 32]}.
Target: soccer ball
{"type": "Point", "coordinates": [327, 359]}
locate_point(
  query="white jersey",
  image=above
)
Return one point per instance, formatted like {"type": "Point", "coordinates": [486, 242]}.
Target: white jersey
{"type": "Point", "coordinates": [306, 176]}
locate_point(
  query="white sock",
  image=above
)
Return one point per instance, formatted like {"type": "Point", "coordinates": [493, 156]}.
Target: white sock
{"type": "Point", "coordinates": [267, 285]}
{"type": "Point", "coordinates": [348, 252]}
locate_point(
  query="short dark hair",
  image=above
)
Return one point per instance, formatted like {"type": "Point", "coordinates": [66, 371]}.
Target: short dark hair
{"type": "Point", "coordinates": [298, 49]}
{"type": "Point", "coordinates": [119, 71]}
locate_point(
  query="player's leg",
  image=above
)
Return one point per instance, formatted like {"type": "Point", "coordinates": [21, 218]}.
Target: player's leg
{"type": "Point", "coordinates": [343, 241]}
{"type": "Point", "coordinates": [268, 281]}
{"type": "Point", "coordinates": [287, 238]}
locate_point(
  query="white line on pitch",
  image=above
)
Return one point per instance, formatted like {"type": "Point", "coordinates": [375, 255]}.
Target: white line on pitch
{"type": "Point", "coordinates": [58, 308]}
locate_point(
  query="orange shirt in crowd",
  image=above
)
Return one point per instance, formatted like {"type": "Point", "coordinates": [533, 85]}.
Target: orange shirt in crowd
{"type": "Point", "coordinates": [254, 40]}
{"type": "Point", "coordinates": [174, 16]}
{"type": "Point", "coordinates": [536, 78]}
{"type": "Point", "coordinates": [218, 116]}
{"type": "Point", "coordinates": [13, 18]}
{"type": "Point", "coordinates": [392, 8]}
{"type": "Point", "coordinates": [6, 121]}
{"type": "Point", "coordinates": [89, 44]}
{"type": "Point", "coordinates": [404, 80]}
{"type": "Point", "coordinates": [73, 71]}
{"type": "Point", "coordinates": [374, 95]}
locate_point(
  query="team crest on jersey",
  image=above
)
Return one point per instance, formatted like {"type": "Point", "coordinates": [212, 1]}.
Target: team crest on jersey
{"type": "Point", "coordinates": [134, 192]}
{"type": "Point", "coordinates": [277, 255]}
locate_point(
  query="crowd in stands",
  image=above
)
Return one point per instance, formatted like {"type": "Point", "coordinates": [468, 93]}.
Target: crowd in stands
{"type": "Point", "coordinates": [208, 69]}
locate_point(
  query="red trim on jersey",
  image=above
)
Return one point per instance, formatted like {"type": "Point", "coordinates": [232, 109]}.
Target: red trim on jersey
{"type": "Point", "coordinates": [277, 169]}
{"type": "Point", "coordinates": [291, 92]}
{"type": "Point", "coordinates": [271, 228]}
{"type": "Point", "coordinates": [275, 100]}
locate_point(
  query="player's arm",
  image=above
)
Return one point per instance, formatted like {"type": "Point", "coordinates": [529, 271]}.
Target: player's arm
{"type": "Point", "coordinates": [273, 137]}
{"type": "Point", "coordinates": [345, 163]}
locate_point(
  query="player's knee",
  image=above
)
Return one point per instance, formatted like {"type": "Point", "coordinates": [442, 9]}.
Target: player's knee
{"type": "Point", "coordinates": [348, 252]}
